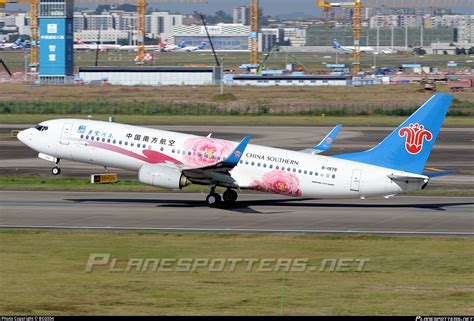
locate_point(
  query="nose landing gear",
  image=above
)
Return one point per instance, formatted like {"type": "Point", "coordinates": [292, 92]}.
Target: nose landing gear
{"type": "Point", "coordinates": [56, 170]}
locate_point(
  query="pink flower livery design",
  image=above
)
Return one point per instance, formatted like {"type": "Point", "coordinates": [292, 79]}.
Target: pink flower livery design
{"type": "Point", "coordinates": [206, 151]}
{"type": "Point", "coordinates": [278, 181]}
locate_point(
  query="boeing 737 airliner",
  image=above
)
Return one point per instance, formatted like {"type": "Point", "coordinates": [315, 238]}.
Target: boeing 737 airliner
{"type": "Point", "coordinates": [173, 160]}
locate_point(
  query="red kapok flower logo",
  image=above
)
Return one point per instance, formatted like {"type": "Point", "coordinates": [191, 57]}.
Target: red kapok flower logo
{"type": "Point", "coordinates": [415, 136]}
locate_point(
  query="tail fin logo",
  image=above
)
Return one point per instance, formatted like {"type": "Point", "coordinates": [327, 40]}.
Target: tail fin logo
{"type": "Point", "coordinates": [415, 136]}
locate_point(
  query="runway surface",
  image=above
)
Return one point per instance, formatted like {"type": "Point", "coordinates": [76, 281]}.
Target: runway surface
{"type": "Point", "coordinates": [187, 212]}
{"type": "Point", "coordinates": [454, 149]}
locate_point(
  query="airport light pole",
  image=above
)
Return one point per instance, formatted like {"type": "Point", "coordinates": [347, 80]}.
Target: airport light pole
{"type": "Point", "coordinates": [222, 76]}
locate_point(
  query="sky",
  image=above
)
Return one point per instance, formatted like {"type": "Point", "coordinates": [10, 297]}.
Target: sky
{"type": "Point", "coordinates": [270, 7]}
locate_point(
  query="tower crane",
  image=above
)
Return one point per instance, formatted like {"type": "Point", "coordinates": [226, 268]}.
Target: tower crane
{"type": "Point", "coordinates": [254, 28]}
{"type": "Point", "coordinates": [356, 24]}
{"type": "Point", "coordinates": [358, 5]}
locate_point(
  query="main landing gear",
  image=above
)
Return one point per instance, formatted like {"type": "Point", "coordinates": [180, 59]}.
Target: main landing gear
{"type": "Point", "coordinates": [228, 198]}
{"type": "Point", "coordinates": [56, 170]}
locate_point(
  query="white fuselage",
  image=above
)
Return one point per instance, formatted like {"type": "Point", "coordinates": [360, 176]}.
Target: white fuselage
{"type": "Point", "coordinates": [261, 168]}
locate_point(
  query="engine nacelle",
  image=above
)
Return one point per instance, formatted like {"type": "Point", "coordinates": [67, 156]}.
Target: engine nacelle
{"type": "Point", "coordinates": [162, 176]}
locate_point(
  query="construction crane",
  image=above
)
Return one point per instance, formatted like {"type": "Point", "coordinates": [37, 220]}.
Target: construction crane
{"type": "Point", "coordinates": [34, 57]}
{"type": "Point", "coordinates": [356, 5]}
{"type": "Point", "coordinates": [141, 11]}
{"type": "Point", "coordinates": [141, 24]}
{"type": "Point", "coordinates": [33, 29]}
{"type": "Point", "coordinates": [254, 28]}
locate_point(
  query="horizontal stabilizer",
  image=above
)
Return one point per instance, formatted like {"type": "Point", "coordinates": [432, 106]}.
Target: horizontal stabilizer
{"type": "Point", "coordinates": [433, 174]}
{"type": "Point", "coordinates": [408, 178]}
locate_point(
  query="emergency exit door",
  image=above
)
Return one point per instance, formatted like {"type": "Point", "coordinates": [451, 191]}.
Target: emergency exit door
{"type": "Point", "coordinates": [65, 134]}
{"type": "Point", "coordinates": [355, 180]}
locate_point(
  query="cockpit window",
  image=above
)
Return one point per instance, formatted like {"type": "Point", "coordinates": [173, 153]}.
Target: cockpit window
{"type": "Point", "coordinates": [41, 128]}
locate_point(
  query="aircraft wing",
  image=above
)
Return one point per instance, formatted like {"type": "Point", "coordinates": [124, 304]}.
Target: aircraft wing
{"type": "Point", "coordinates": [218, 172]}
{"type": "Point", "coordinates": [325, 143]}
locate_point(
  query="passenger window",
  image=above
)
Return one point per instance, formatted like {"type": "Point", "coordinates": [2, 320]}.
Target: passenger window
{"type": "Point", "coordinates": [258, 164]}
{"type": "Point", "coordinates": [299, 171]}
{"type": "Point", "coordinates": [103, 140]}
{"type": "Point", "coordinates": [120, 142]}
{"type": "Point", "coordinates": [108, 140]}
{"type": "Point", "coordinates": [114, 142]}
{"type": "Point", "coordinates": [126, 143]}
{"type": "Point", "coordinates": [131, 144]}
{"type": "Point", "coordinates": [87, 137]}
{"type": "Point", "coordinates": [253, 163]}
{"type": "Point", "coordinates": [311, 173]}
{"type": "Point", "coordinates": [305, 172]}
{"type": "Point", "coordinates": [162, 149]}
{"type": "Point", "coordinates": [294, 170]}
{"type": "Point", "coordinates": [82, 136]}
{"type": "Point", "coordinates": [333, 176]}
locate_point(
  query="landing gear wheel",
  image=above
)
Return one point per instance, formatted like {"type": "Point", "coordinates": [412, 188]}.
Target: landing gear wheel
{"type": "Point", "coordinates": [56, 170]}
{"type": "Point", "coordinates": [230, 196]}
{"type": "Point", "coordinates": [213, 199]}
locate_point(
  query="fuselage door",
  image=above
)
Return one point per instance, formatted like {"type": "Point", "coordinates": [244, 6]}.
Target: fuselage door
{"type": "Point", "coordinates": [355, 180]}
{"type": "Point", "coordinates": [65, 134]}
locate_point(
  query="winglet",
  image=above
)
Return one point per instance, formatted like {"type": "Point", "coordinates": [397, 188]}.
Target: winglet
{"type": "Point", "coordinates": [327, 141]}
{"type": "Point", "coordinates": [235, 156]}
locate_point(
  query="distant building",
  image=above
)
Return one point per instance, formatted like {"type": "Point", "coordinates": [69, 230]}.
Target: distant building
{"type": "Point", "coordinates": [463, 23]}
{"type": "Point", "coordinates": [319, 35]}
{"type": "Point", "coordinates": [22, 21]}
{"type": "Point", "coordinates": [225, 36]}
{"type": "Point", "coordinates": [106, 36]}
{"type": "Point", "coordinates": [241, 15]}
{"type": "Point", "coordinates": [159, 24]}
{"type": "Point", "coordinates": [80, 22]}
{"type": "Point", "coordinates": [100, 21]}
{"type": "Point", "coordinates": [388, 21]}
{"type": "Point", "coordinates": [295, 36]}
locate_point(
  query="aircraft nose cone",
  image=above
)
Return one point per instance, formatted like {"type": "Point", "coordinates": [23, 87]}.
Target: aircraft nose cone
{"type": "Point", "coordinates": [21, 136]}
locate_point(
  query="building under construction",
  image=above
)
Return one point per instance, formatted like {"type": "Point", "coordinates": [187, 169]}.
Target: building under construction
{"type": "Point", "coordinates": [320, 35]}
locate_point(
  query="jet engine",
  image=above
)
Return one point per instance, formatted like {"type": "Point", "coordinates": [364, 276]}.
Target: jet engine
{"type": "Point", "coordinates": [162, 176]}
